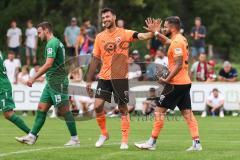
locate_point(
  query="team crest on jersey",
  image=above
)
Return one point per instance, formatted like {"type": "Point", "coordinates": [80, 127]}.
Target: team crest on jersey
{"type": "Point", "coordinates": [110, 47]}
{"type": "Point", "coordinates": [49, 51]}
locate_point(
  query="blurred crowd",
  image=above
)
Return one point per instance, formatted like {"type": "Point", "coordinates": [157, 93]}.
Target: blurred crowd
{"type": "Point", "coordinates": [79, 42]}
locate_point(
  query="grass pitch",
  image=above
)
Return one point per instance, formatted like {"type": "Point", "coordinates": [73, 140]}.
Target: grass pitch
{"type": "Point", "coordinates": [220, 139]}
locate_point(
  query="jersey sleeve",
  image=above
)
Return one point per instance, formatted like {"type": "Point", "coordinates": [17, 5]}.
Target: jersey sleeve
{"type": "Point", "coordinates": [20, 32]}
{"type": "Point", "coordinates": [235, 74]}
{"type": "Point", "coordinates": [96, 48]}
{"type": "Point", "coordinates": [129, 35]}
{"type": "Point", "coordinates": [8, 33]}
{"type": "Point", "coordinates": [52, 49]}
{"type": "Point", "coordinates": [177, 48]}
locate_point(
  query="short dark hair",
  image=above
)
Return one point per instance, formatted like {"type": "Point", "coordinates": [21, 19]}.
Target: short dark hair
{"type": "Point", "coordinates": [45, 25]}
{"type": "Point", "coordinates": [174, 20]}
{"type": "Point", "coordinates": [29, 21]}
{"type": "Point", "coordinates": [36, 64]}
{"type": "Point", "coordinates": [198, 18]}
{"type": "Point", "coordinates": [152, 89]}
{"type": "Point", "coordinates": [215, 90]}
{"type": "Point", "coordinates": [11, 52]}
{"type": "Point", "coordinates": [104, 10]}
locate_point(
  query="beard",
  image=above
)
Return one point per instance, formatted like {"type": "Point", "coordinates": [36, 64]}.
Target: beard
{"type": "Point", "coordinates": [168, 34]}
{"type": "Point", "coordinates": [109, 26]}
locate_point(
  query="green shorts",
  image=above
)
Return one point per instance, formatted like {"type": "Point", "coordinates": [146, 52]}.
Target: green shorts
{"type": "Point", "coordinates": [53, 97]}
{"type": "Point", "coordinates": [6, 101]}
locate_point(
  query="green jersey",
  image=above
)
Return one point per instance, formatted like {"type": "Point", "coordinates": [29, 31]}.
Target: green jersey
{"type": "Point", "coordinates": [57, 73]}
{"type": "Point", "coordinates": [56, 76]}
{"type": "Point", "coordinates": [5, 84]}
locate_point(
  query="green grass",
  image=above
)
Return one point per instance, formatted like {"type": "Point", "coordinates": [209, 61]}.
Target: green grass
{"type": "Point", "coordinates": [220, 139]}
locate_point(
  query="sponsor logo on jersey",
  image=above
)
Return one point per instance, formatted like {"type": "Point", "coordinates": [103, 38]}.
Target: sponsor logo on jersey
{"type": "Point", "coordinates": [178, 51]}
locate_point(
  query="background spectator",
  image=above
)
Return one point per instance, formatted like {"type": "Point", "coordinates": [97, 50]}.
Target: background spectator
{"type": "Point", "coordinates": [14, 38]}
{"type": "Point", "coordinates": [91, 32]}
{"type": "Point", "coordinates": [199, 69]}
{"type": "Point", "coordinates": [82, 48]}
{"type": "Point", "coordinates": [160, 57]}
{"type": "Point", "coordinates": [137, 59]}
{"type": "Point", "coordinates": [33, 72]}
{"type": "Point", "coordinates": [31, 43]}
{"type": "Point", "coordinates": [214, 104]}
{"type": "Point", "coordinates": [198, 33]}
{"type": "Point", "coordinates": [70, 36]}
{"type": "Point", "coordinates": [150, 69]}
{"type": "Point", "coordinates": [120, 23]}
{"type": "Point", "coordinates": [23, 76]}
{"type": "Point", "coordinates": [134, 70]}
{"type": "Point", "coordinates": [12, 66]}
{"type": "Point", "coordinates": [211, 73]}
{"type": "Point", "coordinates": [76, 75]}
{"type": "Point", "coordinates": [152, 45]}
{"type": "Point", "coordinates": [227, 73]}
{"type": "Point", "coordinates": [149, 104]}
{"type": "Point", "coordinates": [82, 42]}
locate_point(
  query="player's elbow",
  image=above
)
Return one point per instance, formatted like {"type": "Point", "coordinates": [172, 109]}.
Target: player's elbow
{"type": "Point", "coordinates": [48, 65]}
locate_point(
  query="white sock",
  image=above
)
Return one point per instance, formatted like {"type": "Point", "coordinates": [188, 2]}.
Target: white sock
{"type": "Point", "coordinates": [31, 135]}
{"type": "Point", "coordinates": [151, 141]}
{"type": "Point", "coordinates": [74, 137]}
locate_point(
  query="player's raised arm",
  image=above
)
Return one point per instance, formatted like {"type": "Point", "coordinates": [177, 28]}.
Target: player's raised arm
{"type": "Point", "coordinates": [145, 36]}
{"type": "Point", "coordinates": [154, 26]}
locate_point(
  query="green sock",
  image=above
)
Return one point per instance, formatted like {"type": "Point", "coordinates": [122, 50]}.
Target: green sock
{"type": "Point", "coordinates": [70, 123]}
{"type": "Point", "coordinates": [19, 123]}
{"type": "Point", "coordinates": [39, 121]}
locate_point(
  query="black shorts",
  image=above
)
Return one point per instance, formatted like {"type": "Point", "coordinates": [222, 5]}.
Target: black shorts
{"type": "Point", "coordinates": [119, 88]}
{"type": "Point", "coordinates": [180, 97]}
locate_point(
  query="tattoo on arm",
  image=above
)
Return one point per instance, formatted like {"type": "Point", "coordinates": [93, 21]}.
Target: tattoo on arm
{"type": "Point", "coordinates": [178, 66]}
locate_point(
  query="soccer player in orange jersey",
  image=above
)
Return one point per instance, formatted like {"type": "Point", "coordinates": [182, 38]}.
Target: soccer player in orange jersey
{"type": "Point", "coordinates": [111, 50]}
{"type": "Point", "coordinates": [179, 78]}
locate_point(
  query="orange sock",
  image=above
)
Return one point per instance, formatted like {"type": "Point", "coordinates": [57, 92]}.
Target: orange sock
{"type": "Point", "coordinates": [158, 124]}
{"type": "Point", "coordinates": [125, 125]}
{"type": "Point", "coordinates": [101, 120]}
{"type": "Point", "coordinates": [192, 125]}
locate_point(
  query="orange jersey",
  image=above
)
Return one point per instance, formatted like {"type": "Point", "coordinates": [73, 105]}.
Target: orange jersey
{"type": "Point", "coordinates": [112, 49]}
{"type": "Point", "coordinates": [179, 47]}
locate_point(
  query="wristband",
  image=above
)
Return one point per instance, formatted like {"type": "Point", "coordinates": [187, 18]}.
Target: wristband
{"type": "Point", "coordinates": [156, 33]}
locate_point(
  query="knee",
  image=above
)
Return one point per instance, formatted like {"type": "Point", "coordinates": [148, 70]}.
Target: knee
{"type": "Point", "coordinates": [98, 108]}
{"type": "Point", "coordinates": [7, 115]}
{"type": "Point", "coordinates": [123, 109]}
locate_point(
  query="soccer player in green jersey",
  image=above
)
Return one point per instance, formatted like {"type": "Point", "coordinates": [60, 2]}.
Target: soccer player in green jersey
{"type": "Point", "coordinates": [6, 101]}
{"type": "Point", "coordinates": [56, 89]}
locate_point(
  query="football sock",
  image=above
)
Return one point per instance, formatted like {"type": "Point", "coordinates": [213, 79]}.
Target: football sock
{"type": "Point", "coordinates": [19, 123]}
{"type": "Point", "coordinates": [39, 121]}
{"type": "Point", "coordinates": [101, 120]}
{"type": "Point", "coordinates": [193, 126]}
{"type": "Point", "coordinates": [125, 126]}
{"type": "Point", "coordinates": [69, 119]}
{"type": "Point", "coordinates": [158, 124]}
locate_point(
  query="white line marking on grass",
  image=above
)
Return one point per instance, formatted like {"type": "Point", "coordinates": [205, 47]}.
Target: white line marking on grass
{"type": "Point", "coordinates": [50, 148]}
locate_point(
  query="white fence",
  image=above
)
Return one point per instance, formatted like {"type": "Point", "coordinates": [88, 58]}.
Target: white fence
{"type": "Point", "coordinates": [27, 98]}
